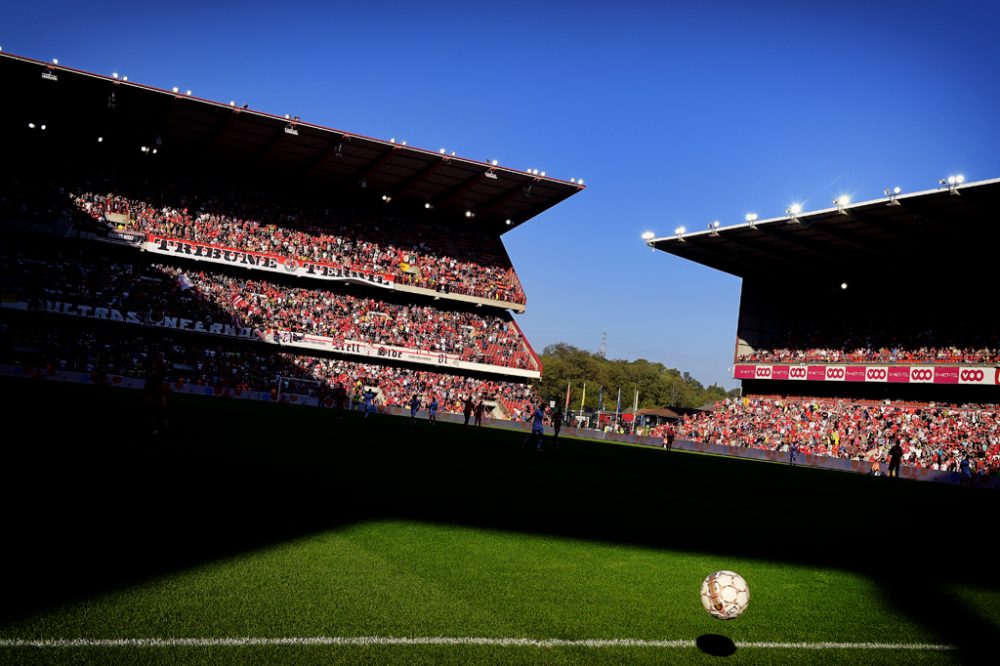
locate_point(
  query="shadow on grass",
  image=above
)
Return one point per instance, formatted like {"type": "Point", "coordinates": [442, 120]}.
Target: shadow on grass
{"type": "Point", "coordinates": [716, 645]}
{"type": "Point", "coordinates": [91, 504]}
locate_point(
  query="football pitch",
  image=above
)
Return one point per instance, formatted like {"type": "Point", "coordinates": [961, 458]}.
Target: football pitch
{"type": "Point", "coordinates": [269, 534]}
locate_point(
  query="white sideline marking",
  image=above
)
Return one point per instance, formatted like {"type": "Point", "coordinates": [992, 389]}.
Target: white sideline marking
{"type": "Point", "coordinates": [438, 640]}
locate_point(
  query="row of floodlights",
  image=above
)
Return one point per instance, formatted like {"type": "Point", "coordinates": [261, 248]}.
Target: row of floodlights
{"type": "Point", "coordinates": [291, 129]}
{"type": "Point", "coordinates": [795, 210]}
{"type": "Point", "coordinates": [387, 198]}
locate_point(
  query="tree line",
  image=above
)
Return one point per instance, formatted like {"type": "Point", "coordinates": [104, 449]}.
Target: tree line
{"type": "Point", "coordinates": [659, 386]}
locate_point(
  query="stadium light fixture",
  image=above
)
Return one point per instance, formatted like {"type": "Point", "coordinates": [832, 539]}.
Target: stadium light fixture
{"type": "Point", "coordinates": [843, 286]}
{"type": "Point", "coordinates": [188, 92]}
{"type": "Point", "coordinates": [793, 213]}
{"type": "Point", "coordinates": [290, 129]}
{"type": "Point", "coordinates": [579, 181]}
{"type": "Point", "coordinates": [751, 219]}
{"type": "Point", "coordinates": [386, 198]}
{"type": "Point", "coordinates": [114, 75]}
{"type": "Point", "coordinates": [232, 102]}
{"type": "Point", "coordinates": [124, 77]}
{"type": "Point", "coordinates": [55, 61]}
{"type": "Point", "coordinates": [176, 89]}
{"type": "Point", "coordinates": [392, 140]}
{"type": "Point", "coordinates": [428, 205]}
{"type": "Point", "coordinates": [41, 127]}
{"type": "Point", "coordinates": [100, 139]}
{"type": "Point", "coordinates": [31, 125]}
{"type": "Point", "coordinates": [490, 174]}
{"type": "Point", "coordinates": [679, 232]}
{"type": "Point", "coordinates": [508, 222]}
{"type": "Point", "coordinates": [892, 194]}
{"type": "Point", "coordinates": [442, 151]}
{"type": "Point", "coordinates": [842, 202]}
{"type": "Point", "coordinates": [469, 214]}
{"type": "Point", "coordinates": [495, 162]}
{"type": "Point", "coordinates": [647, 237]}
{"type": "Point", "coordinates": [953, 182]}
{"type": "Point", "coordinates": [713, 227]}
{"type": "Point", "coordinates": [49, 75]}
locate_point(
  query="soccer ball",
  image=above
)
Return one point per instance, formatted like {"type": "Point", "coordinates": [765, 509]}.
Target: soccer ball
{"type": "Point", "coordinates": [725, 595]}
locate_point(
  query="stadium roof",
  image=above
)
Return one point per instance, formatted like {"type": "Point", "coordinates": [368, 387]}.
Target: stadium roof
{"type": "Point", "coordinates": [454, 187]}
{"type": "Point", "coordinates": [950, 226]}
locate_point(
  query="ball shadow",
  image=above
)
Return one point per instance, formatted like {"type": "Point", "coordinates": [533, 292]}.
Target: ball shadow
{"type": "Point", "coordinates": [715, 645]}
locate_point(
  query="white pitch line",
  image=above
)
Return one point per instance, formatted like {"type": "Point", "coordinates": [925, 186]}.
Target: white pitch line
{"type": "Point", "coordinates": [437, 640]}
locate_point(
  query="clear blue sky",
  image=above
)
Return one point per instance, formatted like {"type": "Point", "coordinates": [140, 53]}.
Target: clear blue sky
{"type": "Point", "coordinates": [673, 113]}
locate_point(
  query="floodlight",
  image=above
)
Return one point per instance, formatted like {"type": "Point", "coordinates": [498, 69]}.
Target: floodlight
{"type": "Point", "coordinates": [648, 236]}
{"type": "Point", "coordinates": [428, 205]}
{"type": "Point", "coordinates": [841, 202]}
{"type": "Point", "coordinates": [508, 222]}
{"type": "Point", "coordinates": [713, 227]}
{"type": "Point", "coordinates": [489, 174]}
{"type": "Point", "coordinates": [793, 213]}
{"type": "Point", "coordinates": [114, 75]}
{"type": "Point", "coordinates": [892, 194]}
{"type": "Point", "coordinates": [31, 125]}
{"type": "Point", "coordinates": [680, 230]}
{"type": "Point", "coordinates": [100, 139]}
{"type": "Point", "coordinates": [495, 162]}
{"type": "Point", "coordinates": [469, 214]}
{"type": "Point", "coordinates": [176, 89]}
{"type": "Point", "coordinates": [953, 182]}
{"type": "Point", "coordinates": [843, 285]}
{"type": "Point", "coordinates": [290, 129]}
{"type": "Point", "coordinates": [55, 61]}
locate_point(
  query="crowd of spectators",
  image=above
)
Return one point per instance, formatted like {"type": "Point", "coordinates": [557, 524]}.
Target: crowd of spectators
{"type": "Point", "coordinates": [932, 436]}
{"type": "Point", "coordinates": [201, 361]}
{"type": "Point", "coordinates": [422, 254]}
{"type": "Point", "coordinates": [884, 337]}
{"type": "Point", "coordinates": [933, 355]}
{"type": "Point", "coordinates": [267, 307]}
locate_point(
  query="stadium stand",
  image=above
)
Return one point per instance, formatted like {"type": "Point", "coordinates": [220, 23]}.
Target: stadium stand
{"type": "Point", "coordinates": [426, 255]}
{"type": "Point", "coordinates": [269, 308]}
{"type": "Point", "coordinates": [105, 352]}
{"type": "Point", "coordinates": [387, 267]}
{"type": "Point", "coordinates": [876, 297]}
{"type": "Point", "coordinates": [932, 435]}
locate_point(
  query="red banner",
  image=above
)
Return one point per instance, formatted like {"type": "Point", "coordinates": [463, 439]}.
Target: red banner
{"type": "Point", "coordinates": [896, 374]}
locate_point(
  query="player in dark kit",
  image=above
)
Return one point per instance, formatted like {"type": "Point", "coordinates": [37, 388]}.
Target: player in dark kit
{"type": "Point", "coordinates": [467, 409]}
{"type": "Point", "coordinates": [480, 408]}
{"type": "Point", "coordinates": [895, 458]}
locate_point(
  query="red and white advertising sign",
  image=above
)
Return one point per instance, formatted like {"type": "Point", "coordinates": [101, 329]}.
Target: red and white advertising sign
{"type": "Point", "coordinates": [896, 374]}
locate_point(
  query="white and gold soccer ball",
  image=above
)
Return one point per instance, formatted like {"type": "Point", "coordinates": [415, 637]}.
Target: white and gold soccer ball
{"type": "Point", "coordinates": [725, 595]}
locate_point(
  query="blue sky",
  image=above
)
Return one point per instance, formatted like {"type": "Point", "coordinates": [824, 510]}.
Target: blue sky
{"type": "Point", "coordinates": [673, 113]}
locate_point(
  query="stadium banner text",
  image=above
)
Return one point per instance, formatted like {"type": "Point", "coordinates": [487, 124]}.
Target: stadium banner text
{"type": "Point", "coordinates": [148, 318]}
{"type": "Point", "coordinates": [261, 261]}
{"type": "Point", "coordinates": [893, 374]}
{"type": "Point", "coordinates": [388, 353]}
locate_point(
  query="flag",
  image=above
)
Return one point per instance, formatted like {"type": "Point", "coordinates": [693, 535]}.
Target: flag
{"type": "Point", "coordinates": [184, 281]}
{"type": "Point", "coordinates": [239, 301]}
{"type": "Point", "coordinates": [635, 409]}
{"type": "Point", "coordinates": [584, 397]}
{"type": "Point", "coordinates": [618, 407]}
{"type": "Point", "coordinates": [566, 408]}
{"type": "Point", "coordinates": [600, 399]}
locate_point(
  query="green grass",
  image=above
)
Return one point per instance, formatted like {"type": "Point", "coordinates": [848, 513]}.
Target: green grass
{"type": "Point", "coordinates": [270, 521]}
